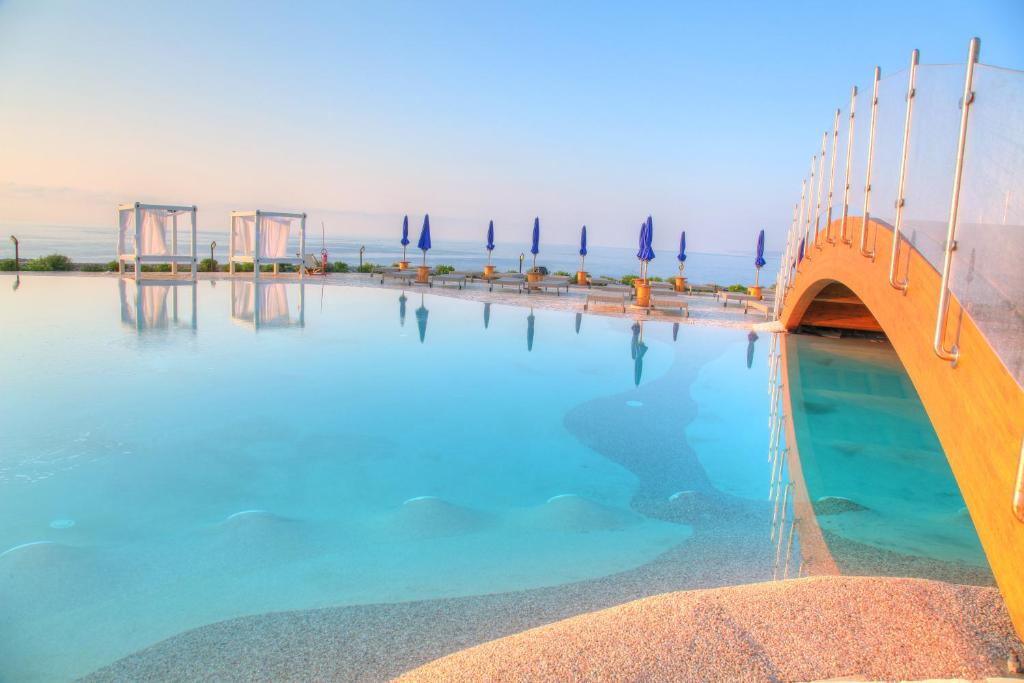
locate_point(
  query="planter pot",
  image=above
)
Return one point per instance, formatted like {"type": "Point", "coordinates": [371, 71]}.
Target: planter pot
{"type": "Point", "coordinates": [755, 292]}
{"type": "Point", "coordinates": [643, 294]}
{"type": "Point", "coordinates": [533, 276]}
{"type": "Point", "coordinates": [403, 265]}
{"type": "Point", "coordinates": [582, 277]}
{"type": "Point", "coordinates": [423, 274]}
{"type": "Point", "coordinates": [488, 272]}
{"type": "Point", "coordinates": [680, 282]}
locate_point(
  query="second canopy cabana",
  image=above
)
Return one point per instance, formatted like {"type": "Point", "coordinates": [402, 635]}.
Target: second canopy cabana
{"type": "Point", "coordinates": [262, 238]}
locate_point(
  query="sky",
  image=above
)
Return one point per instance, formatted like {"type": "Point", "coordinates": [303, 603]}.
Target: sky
{"type": "Point", "coordinates": [701, 114]}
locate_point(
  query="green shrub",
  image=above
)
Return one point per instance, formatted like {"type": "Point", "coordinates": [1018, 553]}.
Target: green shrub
{"type": "Point", "coordinates": [157, 268]}
{"type": "Point", "coordinates": [562, 273]}
{"type": "Point", "coordinates": [441, 269]}
{"type": "Point", "coordinates": [8, 264]}
{"type": "Point", "coordinates": [111, 266]}
{"type": "Point", "coordinates": [92, 268]}
{"type": "Point", "coordinates": [365, 268]}
{"type": "Point", "coordinates": [208, 265]}
{"type": "Point", "coordinates": [628, 279]}
{"type": "Point", "coordinates": [338, 267]}
{"type": "Point", "coordinates": [736, 288]}
{"type": "Point", "coordinates": [656, 279]}
{"type": "Point", "coordinates": [51, 262]}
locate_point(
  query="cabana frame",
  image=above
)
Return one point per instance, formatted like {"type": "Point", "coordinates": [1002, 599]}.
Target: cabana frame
{"type": "Point", "coordinates": [137, 256]}
{"type": "Point", "coordinates": [236, 256]}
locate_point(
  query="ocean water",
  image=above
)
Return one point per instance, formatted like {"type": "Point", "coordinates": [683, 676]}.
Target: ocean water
{"type": "Point", "coordinates": [97, 245]}
{"type": "Point", "coordinates": [177, 456]}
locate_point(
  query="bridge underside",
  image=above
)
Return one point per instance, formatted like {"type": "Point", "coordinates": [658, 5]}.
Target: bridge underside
{"type": "Point", "coordinates": [837, 306]}
{"type": "Point", "coordinates": [975, 406]}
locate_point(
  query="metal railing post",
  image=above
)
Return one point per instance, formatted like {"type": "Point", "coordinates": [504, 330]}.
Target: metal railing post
{"type": "Point", "coordinates": [818, 193]}
{"type": "Point", "coordinates": [810, 189]}
{"type": "Point", "coordinates": [965, 108]}
{"type": "Point", "coordinates": [866, 214]}
{"type": "Point", "coordinates": [846, 175]}
{"type": "Point", "coordinates": [907, 121]}
{"type": "Point", "coordinates": [832, 179]}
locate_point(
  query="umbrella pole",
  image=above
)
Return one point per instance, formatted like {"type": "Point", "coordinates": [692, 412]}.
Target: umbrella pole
{"type": "Point", "coordinates": [757, 276]}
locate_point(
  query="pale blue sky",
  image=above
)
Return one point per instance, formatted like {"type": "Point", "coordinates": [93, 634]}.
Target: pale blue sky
{"type": "Point", "coordinates": [703, 115]}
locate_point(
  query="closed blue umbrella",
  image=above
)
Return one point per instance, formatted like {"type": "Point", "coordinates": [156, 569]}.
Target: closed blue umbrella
{"type": "Point", "coordinates": [405, 235]}
{"type": "Point", "coordinates": [751, 338]}
{"type": "Point", "coordinates": [681, 256]}
{"type": "Point", "coordinates": [583, 247]}
{"type": "Point", "coordinates": [646, 253]}
{"type": "Point", "coordinates": [424, 243]}
{"type": "Point", "coordinates": [759, 258]}
{"type": "Point", "coordinates": [490, 241]}
{"type": "Point", "coordinates": [535, 245]}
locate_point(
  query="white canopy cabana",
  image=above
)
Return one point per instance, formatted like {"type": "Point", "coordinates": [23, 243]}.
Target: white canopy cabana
{"type": "Point", "coordinates": [265, 304]}
{"type": "Point", "coordinates": [143, 237]}
{"type": "Point", "coordinates": [261, 238]}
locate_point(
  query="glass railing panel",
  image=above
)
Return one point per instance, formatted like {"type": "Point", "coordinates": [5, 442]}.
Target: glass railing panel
{"type": "Point", "coordinates": [987, 276]}
{"type": "Point", "coordinates": [931, 158]}
{"type": "Point", "coordinates": [885, 170]}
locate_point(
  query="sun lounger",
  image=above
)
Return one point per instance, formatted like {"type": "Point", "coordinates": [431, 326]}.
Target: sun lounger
{"type": "Point", "coordinates": [406, 275]}
{"type": "Point", "coordinates": [555, 282]}
{"type": "Point", "coordinates": [313, 265]}
{"type": "Point", "coordinates": [762, 306]}
{"type": "Point", "coordinates": [612, 297]}
{"type": "Point", "coordinates": [450, 278]}
{"type": "Point", "coordinates": [504, 282]}
{"type": "Point", "coordinates": [662, 301]}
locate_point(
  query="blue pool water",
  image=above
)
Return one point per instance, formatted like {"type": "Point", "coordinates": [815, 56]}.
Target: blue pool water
{"type": "Point", "coordinates": [319, 446]}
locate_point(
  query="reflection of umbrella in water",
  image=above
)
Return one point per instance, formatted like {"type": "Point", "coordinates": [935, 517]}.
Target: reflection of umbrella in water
{"type": "Point", "coordinates": [487, 315]}
{"type": "Point", "coordinates": [579, 321]}
{"type": "Point", "coordinates": [675, 331]}
{"type": "Point", "coordinates": [401, 308]}
{"type": "Point", "coordinates": [529, 330]}
{"type": "Point", "coordinates": [16, 283]}
{"type": "Point", "coordinates": [751, 338]}
{"type": "Point", "coordinates": [637, 349]}
{"type": "Point", "coordinates": [421, 319]}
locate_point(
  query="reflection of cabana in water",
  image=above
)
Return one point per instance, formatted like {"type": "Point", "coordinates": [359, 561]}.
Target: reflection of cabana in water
{"type": "Point", "coordinates": [265, 304]}
{"type": "Point", "coordinates": [261, 238]}
{"type": "Point", "coordinates": [148, 309]}
{"type": "Point", "coordinates": [143, 240]}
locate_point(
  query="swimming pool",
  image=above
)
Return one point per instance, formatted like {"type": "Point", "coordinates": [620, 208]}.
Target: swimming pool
{"type": "Point", "coordinates": [177, 457]}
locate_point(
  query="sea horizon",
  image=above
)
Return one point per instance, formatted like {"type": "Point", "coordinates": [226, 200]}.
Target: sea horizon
{"type": "Point", "coordinates": [97, 244]}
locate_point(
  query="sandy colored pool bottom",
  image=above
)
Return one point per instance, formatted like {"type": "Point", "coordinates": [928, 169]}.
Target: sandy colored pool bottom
{"type": "Point", "coordinates": [800, 630]}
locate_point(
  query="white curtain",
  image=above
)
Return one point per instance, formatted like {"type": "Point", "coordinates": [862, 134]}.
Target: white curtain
{"type": "Point", "coordinates": [242, 232]}
{"type": "Point", "coordinates": [274, 236]}
{"type": "Point", "coordinates": [154, 232]}
{"type": "Point", "coordinates": [126, 231]}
